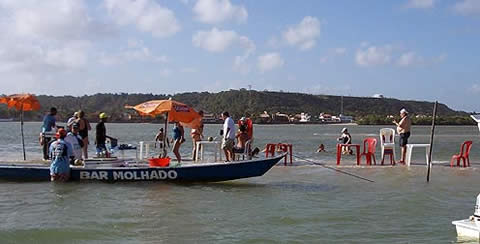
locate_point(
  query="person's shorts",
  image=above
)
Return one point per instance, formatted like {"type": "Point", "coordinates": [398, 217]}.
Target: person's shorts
{"type": "Point", "coordinates": [238, 150]}
{"type": "Point", "coordinates": [227, 144]}
{"type": "Point", "coordinates": [60, 167]}
{"type": "Point", "coordinates": [404, 138]}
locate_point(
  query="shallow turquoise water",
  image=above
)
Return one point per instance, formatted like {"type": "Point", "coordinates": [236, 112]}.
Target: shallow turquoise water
{"type": "Point", "coordinates": [300, 204]}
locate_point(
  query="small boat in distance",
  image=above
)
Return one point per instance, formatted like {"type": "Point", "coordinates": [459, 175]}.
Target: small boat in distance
{"type": "Point", "coordinates": [115, 170]}
{"type": "Point", "coordinates": [6, 120]}
{"type": "Point", "coordinates": [470, 227]}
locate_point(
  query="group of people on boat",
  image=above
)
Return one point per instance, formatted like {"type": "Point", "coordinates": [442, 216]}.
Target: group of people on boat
{"type": "Point", "coordinates": [233, 140]}
{"type": "Point", "coordinates": [69, 145]}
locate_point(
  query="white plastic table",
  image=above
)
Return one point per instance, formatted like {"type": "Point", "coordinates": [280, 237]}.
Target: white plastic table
{"type": "Point", "coordinates": [202, 144]}
{"type": "Point", "coordinates": [409, 152]}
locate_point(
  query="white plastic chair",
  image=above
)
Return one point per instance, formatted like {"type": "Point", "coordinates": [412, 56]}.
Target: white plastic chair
{"type": "Point", "coordinates": [245, 153]}
{"type": "Point", "coordinates": [387, 140]}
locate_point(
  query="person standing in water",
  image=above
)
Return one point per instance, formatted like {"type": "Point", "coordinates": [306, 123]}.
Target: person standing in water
{"type": "Point", "coordinates": [60, 153]}
{"type": "Point", "coordinates": [345, 138]}
{"type": "Point", "coordinates": [403, 129]}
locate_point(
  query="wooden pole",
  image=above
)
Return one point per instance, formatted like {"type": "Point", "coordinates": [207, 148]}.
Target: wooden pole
{"type": "Point", "coordinates": [165, 136]}
{"type": "Point", "coordinates": [23, 139]}
{"type": "Point", "coordinates": [429, 167]}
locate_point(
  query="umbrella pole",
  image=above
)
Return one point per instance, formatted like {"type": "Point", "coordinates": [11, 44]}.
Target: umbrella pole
{"type": "Point", "coordinates": [165, 136]}
{"type": "Point", "coordinates": [23, 139]}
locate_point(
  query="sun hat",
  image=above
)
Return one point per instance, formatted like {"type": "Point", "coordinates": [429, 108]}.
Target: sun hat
{"type": "Point", "coordinates": [403, 111]}
{"type": "Point", "coordinates": [103, 116]}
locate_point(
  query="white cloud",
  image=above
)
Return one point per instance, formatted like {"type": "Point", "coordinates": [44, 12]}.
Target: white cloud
{"type": "Point", "coordinates": [146, 15]}
{"type": "Point", "coordinates": [269, 62]}
{"type": "Point", "coordinates": [188, 70]}
{"type": "Point", "coordinates": [373, 56]}
{"type": "Point", "coordinates": [218, 11]}
{"type": "Point", "coordinates": [340, 50]}
{"type": "Point", "coordinates": [217, 40]}
{"type": "Point", "coordinates": [214, 40]}
{"type": "Point", "coordinates": [421, 3]}
{"type": "Point", "coordinates": [50, 20]}
{"type": "Point", "coordinates": [240, 64]}
{"type": "Point", "coordinates": [32, 58]}
{"type": "Point", "coordinates": [142, 54]}
{"type": "Point", "coordinates": [467, 7]}
{"type": "Point", "coordinates": [475, 88]}
{"type": "Point", "coordinates": [304, 34]}
{"type": "Point", "coordinates": [409, 59]}
{"type": "Point", "coordinates": [136, 51]}
{"type": "Point", "coordinates": [324, 59]}
{"type": "Point", "coordinates": [440, 58]}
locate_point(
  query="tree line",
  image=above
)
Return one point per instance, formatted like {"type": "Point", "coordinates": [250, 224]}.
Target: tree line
{"type": "Point", "coordinates": [365, 110]}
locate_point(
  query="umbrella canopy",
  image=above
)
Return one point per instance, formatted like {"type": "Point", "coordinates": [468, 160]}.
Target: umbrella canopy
{"type": "Point", "coordinates": [28, 101]}
{"type": "Point", "coordinates": [177, 111]}
{"type": "Point", "coordinates": [22, 102]}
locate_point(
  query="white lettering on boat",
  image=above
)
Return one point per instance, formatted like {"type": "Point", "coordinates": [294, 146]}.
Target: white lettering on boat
{"type": "Point", "coordinates": [129, 175]}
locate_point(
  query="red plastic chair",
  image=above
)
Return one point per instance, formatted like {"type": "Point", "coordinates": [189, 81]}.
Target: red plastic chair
{"type": "Point", "coordinates": [369, 146]}
{"type": "Point", "coordinates": [464, 154]}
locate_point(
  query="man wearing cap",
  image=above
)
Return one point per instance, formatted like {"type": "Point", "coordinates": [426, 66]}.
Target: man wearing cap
{"type": "Point", "coordinates": [75, 141]}
{"type": "Point", "coordinates": [403, 129]}
{"type": "Point", "coordinates": [101, 134]}
{"type": "Point", "coordinates": [71, 121]}
{"type": "Point", "coordinates": [60, 153]}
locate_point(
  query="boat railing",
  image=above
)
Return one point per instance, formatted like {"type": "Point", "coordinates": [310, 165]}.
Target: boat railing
{"type": "Point", "coordinates": [149, 149]}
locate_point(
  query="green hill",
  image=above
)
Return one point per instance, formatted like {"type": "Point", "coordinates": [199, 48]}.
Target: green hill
{"type": "Point", "coordinates": [240, 102]}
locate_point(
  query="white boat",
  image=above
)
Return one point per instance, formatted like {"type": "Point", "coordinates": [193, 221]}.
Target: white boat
{"type": "Point", "coordinates": [6, 120]}
{"type": "Point", "coordinates": [476, 117]}
{"type": "Point", "coordinates": [470, 227]}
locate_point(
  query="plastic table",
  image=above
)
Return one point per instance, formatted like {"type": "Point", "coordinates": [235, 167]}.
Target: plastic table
{"type": "Point", "coordinates": [202, 144]}
{"type": "Point", "coordinates": [409, 152]}
{"type": "Point", "coordinates": [339, 151]}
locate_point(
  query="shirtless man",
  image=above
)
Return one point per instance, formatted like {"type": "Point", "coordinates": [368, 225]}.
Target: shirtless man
{"type": "Point", "coordinates": [403, 129]}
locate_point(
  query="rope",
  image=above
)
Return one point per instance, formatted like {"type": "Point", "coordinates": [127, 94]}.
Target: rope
{"type": "Point", "coordinates": [337, 170]}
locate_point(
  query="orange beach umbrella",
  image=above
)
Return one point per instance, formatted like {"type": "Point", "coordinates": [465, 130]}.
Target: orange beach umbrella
{"type": "Point", "coordinates": [177, 111]}
{"type": "Point", "coordinates": [28, 101]}
{"type": "Point", "coordinates": [21, 102]}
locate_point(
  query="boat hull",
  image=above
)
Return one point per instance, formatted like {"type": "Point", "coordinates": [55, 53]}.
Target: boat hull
{"type": "Point", "coordinates": [467, 228]}
{"type": "Point", "coordinates": [210, 172]}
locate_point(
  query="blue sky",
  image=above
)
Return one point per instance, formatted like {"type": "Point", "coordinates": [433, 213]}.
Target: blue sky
{"type": "Point", "coordinates": [405, 49]}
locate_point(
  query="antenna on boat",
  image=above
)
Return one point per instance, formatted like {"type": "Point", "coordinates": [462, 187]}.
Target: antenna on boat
{"type": "Point", "coordinates": [429, 167]}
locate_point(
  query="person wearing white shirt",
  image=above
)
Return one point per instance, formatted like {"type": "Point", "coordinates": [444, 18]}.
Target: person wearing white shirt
{"type": "Point", "coordinates": [228, 136]}
{"type": "Point", "coordinates": [75, 141]}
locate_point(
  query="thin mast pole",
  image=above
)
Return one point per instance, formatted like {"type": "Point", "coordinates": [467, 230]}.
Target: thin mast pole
{"type": "Point", "coordinates": [23, 139]}
{"type": "Point", "coordinates": [429, 169]}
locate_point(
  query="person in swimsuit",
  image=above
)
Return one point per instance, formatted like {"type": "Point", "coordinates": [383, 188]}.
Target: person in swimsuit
{"type": "Point", "coordinates": [60, 153]}
{"type": "Point", "coordinates": [178, 139]}
{"type": "Point", "coordinates": [242, 138]}
{"type": "Point", "coordinates": [84, 127]}
{"type": "Point", "coordinates": [345, 138]}
{"type": "Point", "coordinates": [197, 135]}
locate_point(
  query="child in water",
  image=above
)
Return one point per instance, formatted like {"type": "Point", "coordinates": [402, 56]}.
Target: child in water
{"type": "Point", "coordinates": [345, 138]}
{"type": "Point", "coordinates": [321, 148]}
